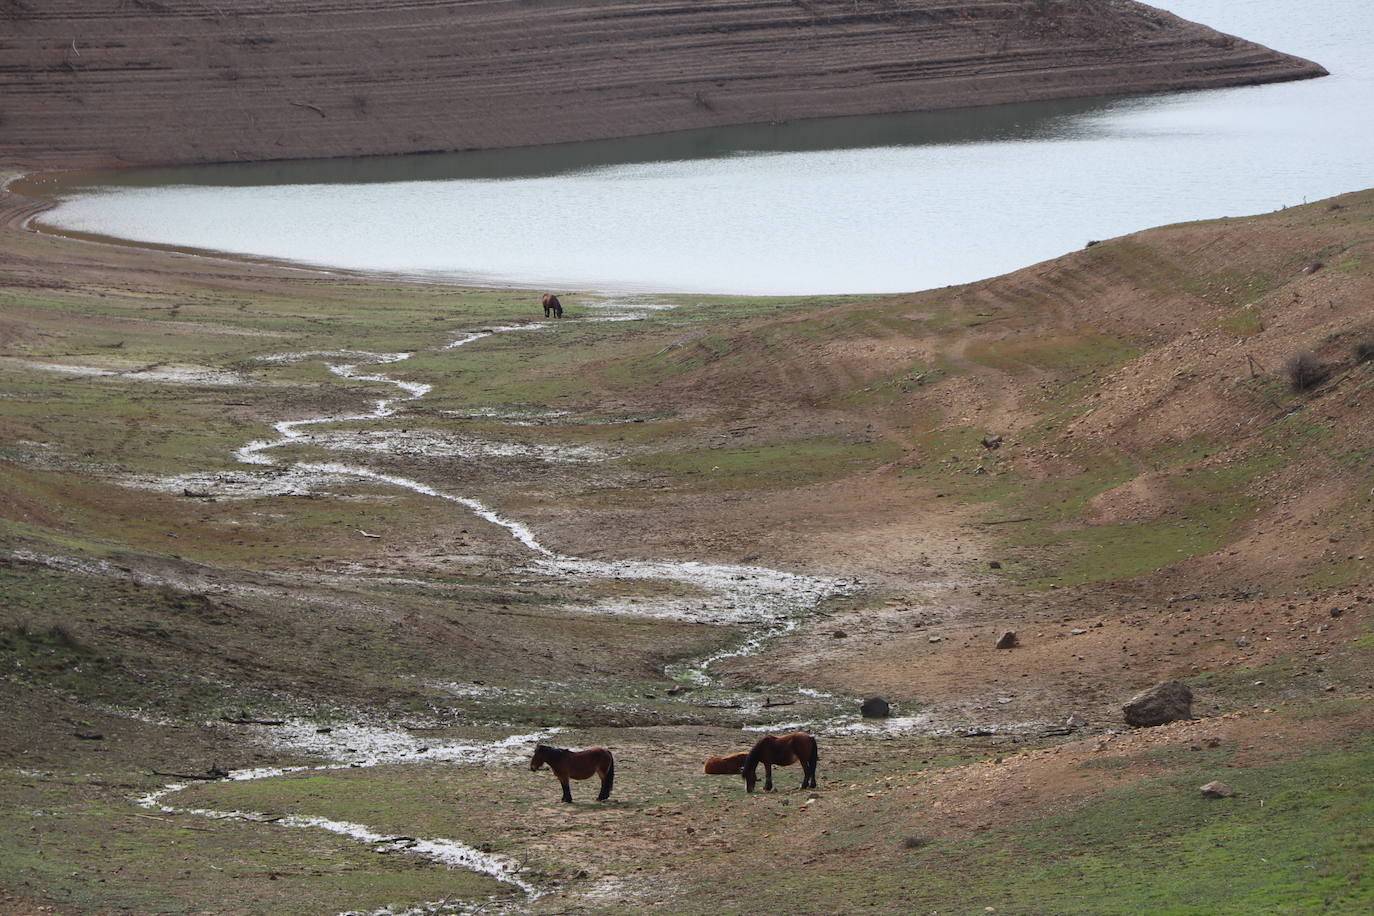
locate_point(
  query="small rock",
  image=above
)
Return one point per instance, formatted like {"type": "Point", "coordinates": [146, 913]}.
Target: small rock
{"type": "Point", "coordinates": [1075, 721]}
{"type": "Point", "coordinates": [839, 634]}
{"type": "Point", "coordinates": [1337, 611]}
{"type": "Point", "coordinates": [875, 708]}
{"type": "Point", "coordinates": [1242, 641]}
{"type": "Point", "coordinates": [1166, 702]}
{"type": "Point", "coordinates": [1077, 632]}
{"type": "Point", "coordinates": [994, 564]}
{"type": "Point", "coordinates": [1007, 640]}
{"type": "Point", "coordinates": [1217, 789]}
{"type": "Point", "coordinates": [934, 639]}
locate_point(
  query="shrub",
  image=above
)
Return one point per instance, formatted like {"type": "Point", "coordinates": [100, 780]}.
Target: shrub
{"type": "Point", "coordinates": [1364, 350]}
{"type": "Point", "coordinates": [1304, 371]}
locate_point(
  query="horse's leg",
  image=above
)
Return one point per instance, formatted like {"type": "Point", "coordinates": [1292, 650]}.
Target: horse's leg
{"type": "Point", "coordinates": [567, 792]}
{"type": "Point", "coordinates": [768, 777]}
{"type": "Point", "coordinates": [607, 780]}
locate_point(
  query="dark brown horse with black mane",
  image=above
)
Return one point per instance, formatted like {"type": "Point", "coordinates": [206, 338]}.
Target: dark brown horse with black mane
{"type": "Point", "coordinates": [552, 306]}
{"type": "Point", "coordinates": [780, 752]}
{"type": "Point", "coordinates": [566, 764]}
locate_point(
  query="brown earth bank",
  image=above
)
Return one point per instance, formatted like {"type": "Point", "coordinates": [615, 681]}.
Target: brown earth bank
{"type": "Point", "coordinates": [95, 83]}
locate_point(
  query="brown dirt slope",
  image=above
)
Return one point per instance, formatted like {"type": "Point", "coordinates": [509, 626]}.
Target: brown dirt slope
{"type": "Point", "coordinates": [94, 84]}
{"type": "Point", "coordinates": [1117, 375]}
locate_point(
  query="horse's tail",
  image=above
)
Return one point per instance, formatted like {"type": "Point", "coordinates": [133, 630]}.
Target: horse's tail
{"type": "Point", "coordinates": [609, 779]}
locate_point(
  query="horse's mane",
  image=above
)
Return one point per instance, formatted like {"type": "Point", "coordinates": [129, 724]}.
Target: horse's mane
{"type": "Point", "coordinates": [551, 752]}
{"type": "Point", "coordinates": [751, 763]}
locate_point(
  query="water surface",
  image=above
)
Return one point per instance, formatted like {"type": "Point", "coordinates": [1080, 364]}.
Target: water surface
{"type": "Point", "coordinates": [847, 205]}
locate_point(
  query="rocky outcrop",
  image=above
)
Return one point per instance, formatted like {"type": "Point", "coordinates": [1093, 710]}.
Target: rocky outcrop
{"type": "Point", "coordinates": [1170, 701]}
{"type": "Point", "coordinates": [875, 708]}
{"type": "Point", "coordinates": [87, 83]}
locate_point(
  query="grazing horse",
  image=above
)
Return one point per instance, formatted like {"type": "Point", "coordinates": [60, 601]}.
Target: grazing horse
{"type": "Point", "coordinates": [552, 306]}
{"type": "Point", "coordinates": [728, 765]}
{"type": "Point", "coordinates": [568, 764]}
{"type": "Point", "coordinates": [784, 751]}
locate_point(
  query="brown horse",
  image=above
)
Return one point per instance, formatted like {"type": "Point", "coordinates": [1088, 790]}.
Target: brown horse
{"type": "Point", "coordinates": [781, 752]}
{"type": "Point", "coordinates": [728, 765]}
{"type": "Point", "coordinates": [568, 764]}
{"type": "Point", "coordinates": [552, 306]}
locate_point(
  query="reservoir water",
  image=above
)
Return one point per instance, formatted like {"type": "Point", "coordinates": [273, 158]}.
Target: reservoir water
{"type": "Point", "coordinates": [860, 205]}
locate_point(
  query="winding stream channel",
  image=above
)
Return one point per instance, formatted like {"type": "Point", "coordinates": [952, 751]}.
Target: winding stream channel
{"type": "Point", "coordinates": [765, 602]}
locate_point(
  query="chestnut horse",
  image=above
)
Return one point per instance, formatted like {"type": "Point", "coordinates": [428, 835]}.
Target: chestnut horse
{"type": "Point", "coordinates": [781, 752]}
{"type": "Point", "coordinates": [552, 306]}
{"type": "Point", "coordinates": [568, 764]}
{"type": "Point", "coordinates": [728, 765]}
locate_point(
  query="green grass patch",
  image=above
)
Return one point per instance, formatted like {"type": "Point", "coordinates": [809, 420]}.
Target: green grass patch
{"type": "Point", "coordinates": [1295, 841]}
{"type": "Point", "coordinates": [94, 851]}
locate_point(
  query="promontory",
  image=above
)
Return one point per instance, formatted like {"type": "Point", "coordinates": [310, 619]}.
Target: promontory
{"type": "Point", "coordinates": [128, 82]}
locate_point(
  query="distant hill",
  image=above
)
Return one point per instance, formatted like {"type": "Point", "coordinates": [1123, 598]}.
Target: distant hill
{"type": "Point", "coordinates": [87, 84]}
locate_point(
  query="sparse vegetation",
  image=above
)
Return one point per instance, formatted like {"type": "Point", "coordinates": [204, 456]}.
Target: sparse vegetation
{"type": "Point", "coordinates": [1304, 371]}
{"type": "Point", "coordinates": [1098, 468]}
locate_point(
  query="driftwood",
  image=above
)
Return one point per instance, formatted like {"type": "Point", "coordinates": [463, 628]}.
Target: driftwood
{"type": "Point", "coordinates": [213, 775]}
{"type": "Point", "coordinates": [254, 820]}
{"type": "Point", "coordinates": [179, 826]}
{"type": "Point", "coordinates": [406, 841]}
{"type": "Point", "coordinates": [769, 704]}
{"type": "Point", "coordinates": [244, 720]}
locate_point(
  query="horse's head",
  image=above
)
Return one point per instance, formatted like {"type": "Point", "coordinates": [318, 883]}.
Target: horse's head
{"type": "Point", "coordinates": [541, 756]}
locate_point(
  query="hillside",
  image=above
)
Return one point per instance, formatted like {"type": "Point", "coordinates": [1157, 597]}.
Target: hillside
{"type": "Point", "coordinates": [88, 84]}
{"type": "Point", "coordinates": [1102, 452]}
